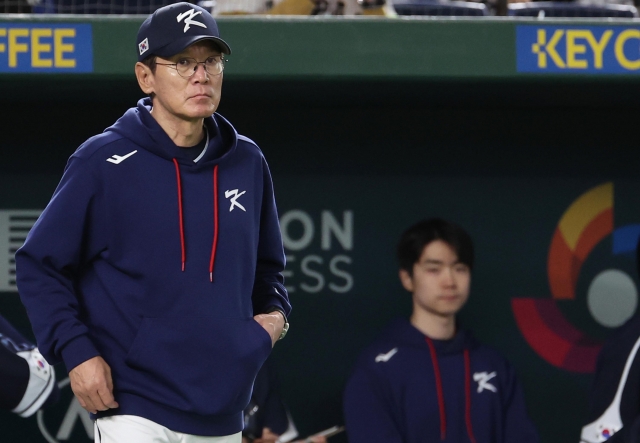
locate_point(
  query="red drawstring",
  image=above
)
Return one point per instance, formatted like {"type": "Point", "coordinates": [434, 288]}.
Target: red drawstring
{"type": "Point", "coordinates": [467, 391]}
{"type": "Point", "coordinates": [436, 370]}
{"type": "Point", "coordinates": [184, 256]}
{"type": "Point", "coordinates": [215, 223]}
{"type": "Point", "coordinates": [214, 247]}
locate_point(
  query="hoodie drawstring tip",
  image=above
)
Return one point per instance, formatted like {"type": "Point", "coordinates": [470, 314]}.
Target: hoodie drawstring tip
{"type": "Point", "coordinates": [211, 277]}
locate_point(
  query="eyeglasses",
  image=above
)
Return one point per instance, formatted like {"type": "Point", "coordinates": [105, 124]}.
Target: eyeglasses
{"type": "Point", "coordinates": [188, 66]}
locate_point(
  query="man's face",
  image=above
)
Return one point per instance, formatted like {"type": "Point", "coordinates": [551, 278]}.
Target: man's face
{"type": "Point", "coordinates": [440, 283]}
{"type": "Point", "coordinates": [190, 98]}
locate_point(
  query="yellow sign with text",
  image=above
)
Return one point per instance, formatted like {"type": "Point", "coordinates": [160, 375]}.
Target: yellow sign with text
{"type": "Point", "coordinates": [42, 48]}
{"type": "Point", "coordinates": [578, 49]}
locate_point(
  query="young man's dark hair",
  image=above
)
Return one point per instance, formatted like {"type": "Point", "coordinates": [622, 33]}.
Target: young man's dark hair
{"type": "Point", "coordinates": [415, 238]}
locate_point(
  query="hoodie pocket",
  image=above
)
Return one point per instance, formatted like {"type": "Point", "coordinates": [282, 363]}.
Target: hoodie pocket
{"type": "Point", "coordinates": [205, 365]}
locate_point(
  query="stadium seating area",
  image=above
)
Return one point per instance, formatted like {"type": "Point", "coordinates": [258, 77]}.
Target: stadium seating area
{"type": "Point", "coordinates": [389, 8]}
{"type": "Point", "coordinates": [440, 8]}
{"type": "Point", "coordinates": [568, 9]}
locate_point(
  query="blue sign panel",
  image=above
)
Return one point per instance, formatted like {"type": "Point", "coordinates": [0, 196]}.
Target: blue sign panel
{"type": "Point", "coordinates": [45, 48]}
{"type": "Point", "coordinates": [578, 49]}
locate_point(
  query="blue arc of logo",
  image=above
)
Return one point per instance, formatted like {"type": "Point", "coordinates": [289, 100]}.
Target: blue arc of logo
{"type": "Point", "coordinates": [625, 239]}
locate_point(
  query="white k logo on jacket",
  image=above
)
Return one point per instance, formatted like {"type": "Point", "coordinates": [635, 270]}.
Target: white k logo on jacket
{"type": "Point", "coordinates": [234, 199]}
{"type": "Point", "coordinates": [483, 381]}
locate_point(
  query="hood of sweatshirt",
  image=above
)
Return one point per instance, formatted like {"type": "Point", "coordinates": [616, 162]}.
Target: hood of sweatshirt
{"type": "Point", "coordinates": [139, 126]}
{"type": "Point", "coordinates": [410, 388]}
{"type": "Point", "coordinates": [402, 332]}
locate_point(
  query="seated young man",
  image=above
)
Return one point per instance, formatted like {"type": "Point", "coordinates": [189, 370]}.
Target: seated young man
{"type": "Point", "coordinates": [27, 382]}
{"type": "Point", "coordinates": [427, 379]}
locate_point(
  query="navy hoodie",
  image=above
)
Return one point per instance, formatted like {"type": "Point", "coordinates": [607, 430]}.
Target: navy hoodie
{"type": "Point", "coordinates": [407, 388]}
{"type": "Point", "coordinates": [158, 264]}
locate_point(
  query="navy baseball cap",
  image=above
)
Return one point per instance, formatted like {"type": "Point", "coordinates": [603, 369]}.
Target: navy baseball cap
{"type": "Point", "coordinates": [172, 28]}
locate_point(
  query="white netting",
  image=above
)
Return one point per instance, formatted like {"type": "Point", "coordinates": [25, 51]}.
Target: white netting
{"type": "Point", "coordinates": [82, 6]}
{"type": "Point", "coordinates": [145, 7]}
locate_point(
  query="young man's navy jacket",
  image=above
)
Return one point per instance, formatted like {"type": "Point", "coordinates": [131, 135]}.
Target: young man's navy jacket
{"type": "Point", "coordinates": [407, 388]}
{"type": "Point", "coordinates": [158, 264]}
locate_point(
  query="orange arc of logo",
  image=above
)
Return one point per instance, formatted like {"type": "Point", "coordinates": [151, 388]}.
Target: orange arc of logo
{"type": "Point", "coordinates": [584, 224]}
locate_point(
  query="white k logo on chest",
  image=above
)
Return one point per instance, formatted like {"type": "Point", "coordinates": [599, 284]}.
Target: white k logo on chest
{"type": "Point", "coordinates": [483, 381]}
{"type": "Point", "coordinates": [234, 195]}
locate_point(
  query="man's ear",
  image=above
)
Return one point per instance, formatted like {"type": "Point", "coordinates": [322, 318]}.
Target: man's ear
{"type": "Point", "coordinates": [145, 78]}
{"type": "Point", "coordinates": [406, 280]}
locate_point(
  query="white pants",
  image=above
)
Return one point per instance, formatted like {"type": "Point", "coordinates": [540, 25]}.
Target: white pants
{"type": "Point", "coordinates": [133, 429]}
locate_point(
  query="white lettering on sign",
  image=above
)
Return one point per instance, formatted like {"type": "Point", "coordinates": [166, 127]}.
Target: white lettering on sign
{"type": "Point", "coordinates": [313, 268]}
{"type": "Point", "coordinates": [15, 224]}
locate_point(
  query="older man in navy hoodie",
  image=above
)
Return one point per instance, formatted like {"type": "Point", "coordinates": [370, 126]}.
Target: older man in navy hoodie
{"type": "Point", "coordinates": [426, 379]}
{"type": "Point", "coordinates": [155, 272]}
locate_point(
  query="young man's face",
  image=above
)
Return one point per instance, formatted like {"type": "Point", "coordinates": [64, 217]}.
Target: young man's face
{"type": "Point", "coordinates": [187, 98]}
{"type": "Point", "coordinates": [440, 283]}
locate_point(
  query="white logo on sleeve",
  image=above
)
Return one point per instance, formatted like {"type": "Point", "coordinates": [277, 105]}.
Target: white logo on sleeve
{"type": "Point", "coordinates": [385, 357]}
{"type": "Point", "coordinates": [234, 199]}
{"type": "Point", "coordinates": [116, 159]}
{"type": "Point", "coordinates": [483, 381]}
{"type": "Point", "coordinates": [188, 19]}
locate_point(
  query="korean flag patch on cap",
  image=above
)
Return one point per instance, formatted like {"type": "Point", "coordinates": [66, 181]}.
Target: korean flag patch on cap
{"type": "Point", "coordinates": [143, 46]}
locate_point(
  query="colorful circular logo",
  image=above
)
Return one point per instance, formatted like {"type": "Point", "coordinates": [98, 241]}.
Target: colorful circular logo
{"type": "Point", "coordinates": [612, 296]}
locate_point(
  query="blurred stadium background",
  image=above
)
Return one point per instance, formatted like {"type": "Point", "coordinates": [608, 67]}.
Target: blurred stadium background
{"type": "Point", "coordinates": [497, 115]}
